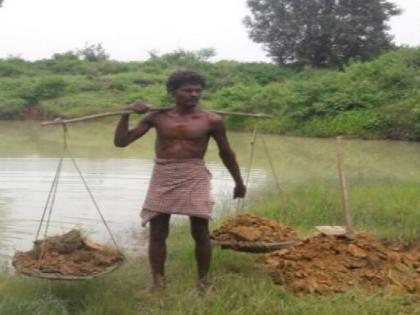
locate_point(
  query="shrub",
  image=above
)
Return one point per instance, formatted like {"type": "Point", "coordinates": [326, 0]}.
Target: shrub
{"type": "Point", "coordinates": [12, 108]}
{"type": "Point", "coordinates": [49, 87]}
{"type": "Point", "coordinates": [8, 69]}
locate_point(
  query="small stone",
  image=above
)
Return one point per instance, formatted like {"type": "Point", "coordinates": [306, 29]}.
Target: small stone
{"type": "Point", "coordinates": [245, 233]}
{"type": "Point", "coordinates": [356, 251]}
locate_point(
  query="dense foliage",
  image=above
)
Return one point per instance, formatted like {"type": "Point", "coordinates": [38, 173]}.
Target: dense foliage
{"type": "Point", "coordinates": [321, 32]}
{"type": "Point", "coordinates": [378, 99]}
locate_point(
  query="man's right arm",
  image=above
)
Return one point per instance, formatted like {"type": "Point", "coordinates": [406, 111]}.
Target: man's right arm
{"type": "Point", "coordinates": [218, 133]}
{"type": "Point", "coordinates": [123, 135]}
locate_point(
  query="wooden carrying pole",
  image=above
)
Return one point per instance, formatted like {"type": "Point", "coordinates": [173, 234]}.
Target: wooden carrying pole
{"type": "Point", "coordinates": [343, 188]}
{"type": "Point", "coordinates": [58, 121]}
{"type": "Point", "coordinates": [347, 230]}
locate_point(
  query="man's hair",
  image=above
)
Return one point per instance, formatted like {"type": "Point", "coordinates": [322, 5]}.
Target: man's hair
{"type": "Point", "coordinates": [180, 77]}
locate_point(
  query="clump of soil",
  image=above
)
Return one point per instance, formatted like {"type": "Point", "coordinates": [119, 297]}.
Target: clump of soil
{"type": "Point", "coordinates": [246, 228]}
{"type": "Point", "coordinates": [69, 254]}
{"type": "Point", "coordinates": [328, 264]}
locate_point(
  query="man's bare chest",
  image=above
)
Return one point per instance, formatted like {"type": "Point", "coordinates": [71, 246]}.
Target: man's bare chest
{"type": "Point", "coordinates": [187, 128]}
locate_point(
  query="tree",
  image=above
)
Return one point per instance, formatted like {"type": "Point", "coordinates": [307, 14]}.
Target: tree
{"type": "Point", "coordinates": [92, 52]}
{"type": "Point", "coordinates": [68, 55]}
{"type": "Point", "coordinates": [321, 33]}
{"type": "Point", "coordinates": [183, 56]}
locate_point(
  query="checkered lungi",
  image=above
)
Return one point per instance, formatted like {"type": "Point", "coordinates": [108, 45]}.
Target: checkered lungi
{"type": "Point", "coordinates": [178, 186]}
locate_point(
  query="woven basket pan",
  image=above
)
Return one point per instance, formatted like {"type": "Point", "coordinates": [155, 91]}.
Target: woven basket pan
{"type": "Point", "coordinates": [258, 247]}
{"type": "Point", "coordinates": [60, 276]}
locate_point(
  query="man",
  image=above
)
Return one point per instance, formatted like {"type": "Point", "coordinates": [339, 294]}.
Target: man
{"type": "Point", "coordinates": [180, 182]}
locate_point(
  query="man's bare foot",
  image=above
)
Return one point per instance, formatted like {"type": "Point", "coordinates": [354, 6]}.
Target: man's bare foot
{"type": "Point", "coordinates": [155, 289]}
{"type": "Point", "coordinates": [158, 284]}
{"type": "Point", "coordinates": [204, 287]}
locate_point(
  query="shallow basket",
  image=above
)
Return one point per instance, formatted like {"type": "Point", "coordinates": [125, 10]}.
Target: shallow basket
{"type": "Point", "coordinates": [257, 247]}
{"type": "Point", "coordinates": [59, 276]}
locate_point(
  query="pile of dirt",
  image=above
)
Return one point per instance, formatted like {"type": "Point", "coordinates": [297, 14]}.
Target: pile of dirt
{"type": "Point", "coordinates": [246, 228]}
{"type": "Point", "coordinates": [69, 254]}
{"type": "Point", "coordinates": [328, 264]}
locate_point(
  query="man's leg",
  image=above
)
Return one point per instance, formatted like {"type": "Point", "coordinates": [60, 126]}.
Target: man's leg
{"type": "Point", "coordinates": [201, 236]}
{"type": "Point", "coordinates": [159, 230]}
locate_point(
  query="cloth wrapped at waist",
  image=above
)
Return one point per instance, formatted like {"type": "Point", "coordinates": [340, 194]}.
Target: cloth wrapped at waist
{"type": "Point", "coordinates": [178, 186]}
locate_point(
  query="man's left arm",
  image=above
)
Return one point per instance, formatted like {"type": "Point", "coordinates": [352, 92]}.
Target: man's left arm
{"type": "Point", "coordinates": [218, 132]}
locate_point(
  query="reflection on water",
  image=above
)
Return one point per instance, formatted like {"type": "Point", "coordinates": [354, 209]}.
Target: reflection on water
{"type": "Point", "coordinates": [119, 187]}
{"type": "Point", "coordinates": [119, 177]}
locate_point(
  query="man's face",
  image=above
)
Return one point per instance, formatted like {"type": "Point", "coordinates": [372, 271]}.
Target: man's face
{"type": "Point", "coordinates": [188, 95]}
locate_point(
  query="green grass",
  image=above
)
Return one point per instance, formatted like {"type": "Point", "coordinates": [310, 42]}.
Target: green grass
{"type": "Point", "coordinates": [240, 286]}
{"type": "Point", "coordinates": [388, 211]}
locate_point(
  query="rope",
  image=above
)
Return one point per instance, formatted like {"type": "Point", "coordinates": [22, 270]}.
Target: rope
{"type": "Point", "coordinates": [270, 161]}
{"type": "Point", "coordinates": [251, 158]}
{"type": "Point", "coordinates": [276, 178]}
{"type": "Point", "coordinates": [92, 198]}
{"type": "Point", "coordinates": [52, 188]}
{"type": "Point", "coordinates": [53, 191]}
{"type": "Point", "coordinates": [241, 202]}
{"type": "Point", "coordinates": [64, 137]}
{"type": "Point", "coordinates": [54, 194]}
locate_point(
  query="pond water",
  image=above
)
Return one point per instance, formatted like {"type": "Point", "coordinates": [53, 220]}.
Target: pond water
{"type": "Point", "coordinates": [118, 178]}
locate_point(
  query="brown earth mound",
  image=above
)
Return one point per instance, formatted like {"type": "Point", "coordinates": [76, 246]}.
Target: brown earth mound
{"type": "Point", "coordinates": [248, 228]}
{"type": "Point", "coordinates": [328, 264]}
{"type": "Point", "coordinates": [69, 254]}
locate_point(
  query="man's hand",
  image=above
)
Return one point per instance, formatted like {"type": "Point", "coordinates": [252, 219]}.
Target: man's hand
{"type": "Point", "coordinates": [239, 191]}
{"type": "Point", "coordinates": [139, 108]}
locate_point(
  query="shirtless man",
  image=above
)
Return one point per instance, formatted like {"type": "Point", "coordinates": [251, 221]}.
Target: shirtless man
{"type": "Point", "coordinates": [180, 181]}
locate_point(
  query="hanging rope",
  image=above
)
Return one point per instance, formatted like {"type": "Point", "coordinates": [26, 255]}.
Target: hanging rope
{"type": "Point", "coordinates": [50, 193]}
{"type": "Point", "coordinates": [273, 171]}
{"type": "Point", "coordinates": [53, 189]}
{"type": "Point", "coordinates": [93, 199]}
{"type": "Point", "coordinates": [241, 202]}
{"type": "Point", "coordinates": [49, 205]}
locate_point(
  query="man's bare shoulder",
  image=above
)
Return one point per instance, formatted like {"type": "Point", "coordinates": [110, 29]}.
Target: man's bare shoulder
{"type": "Point", "coordinates": [213, 118]}
{"type": "Point", "coordinates": [153, 116]}
{"type": "Point", "coordinates": [215, 121]}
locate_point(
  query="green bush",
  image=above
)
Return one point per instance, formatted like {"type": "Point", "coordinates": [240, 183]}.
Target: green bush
{"type": "Point", "coordinates": [372, 99]}
{"type": "Point", "coordinates": [12, 108]}
{"type": "Point", "coordinates": [236, 98]}
{"type": "Point", "coordinates": [80, 104]}
{"type": "Point", "coordinates": [367, 124]}
{"type": "Point", "coordinates": [49, 87]}
{"type": "Point", "coordinates": [8, 69]}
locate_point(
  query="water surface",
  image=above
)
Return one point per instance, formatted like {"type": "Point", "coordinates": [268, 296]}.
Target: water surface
{"type": "Point", "coordinates": [118, 177]}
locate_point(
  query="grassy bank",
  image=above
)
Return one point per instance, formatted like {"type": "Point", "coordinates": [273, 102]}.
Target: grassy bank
{"type": "Point", "coordinates": [389, 211]}
{"type": "Point", "coordinates": [240, 287]}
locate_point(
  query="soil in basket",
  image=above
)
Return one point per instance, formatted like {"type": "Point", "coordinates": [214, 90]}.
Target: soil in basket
{"type": "Point", "coordinates": [250, 229]}
{"type": "Point", "coordinates": [67, 254]}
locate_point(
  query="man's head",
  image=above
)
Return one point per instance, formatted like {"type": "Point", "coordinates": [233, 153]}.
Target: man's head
{"type": "Point", "coordinates": [181, 77]}
{"type": "Point", "coordinates": [185, 87]}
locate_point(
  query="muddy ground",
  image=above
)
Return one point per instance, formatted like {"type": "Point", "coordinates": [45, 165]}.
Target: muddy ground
{"type": "Point", "coordinates": [330, 264]}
